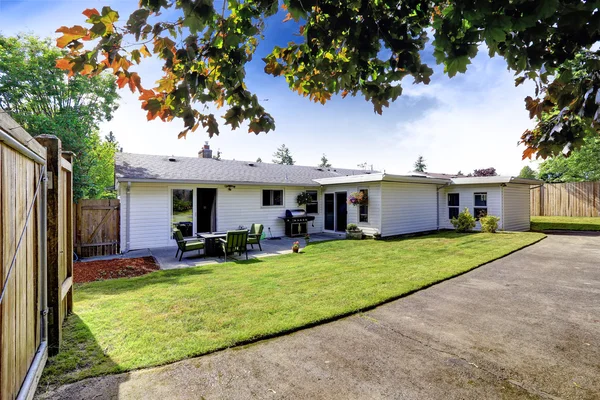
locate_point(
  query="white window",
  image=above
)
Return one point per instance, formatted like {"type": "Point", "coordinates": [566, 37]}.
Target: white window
{"type": "Point", "coordinates": [312, 207]}
{"type": "Point", "coordinates": [453, 205]}
{"type": "Point", "coordinates": [363, 209]}
{"type": "Point", "coordinates": [272, 198]}
{"type": "Point", "coordinates": [480, 209]}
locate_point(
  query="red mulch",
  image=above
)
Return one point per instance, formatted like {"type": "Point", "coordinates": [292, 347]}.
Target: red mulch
{"type": "Point", "coordinates": [89, 271]}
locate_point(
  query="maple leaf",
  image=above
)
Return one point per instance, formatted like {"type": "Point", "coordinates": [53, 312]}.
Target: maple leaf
{"type": "Point", "coordinates": [90, 11]}
{"type": "Point", "coordinates": [122, 80]}
{"type": "Point", "coordinates": [64, 63]}
{"type": "Point", "coordinates": [145, 52]}
{"type": "Point", "coordinates": [135, 82]}
{"type": "Point", "coordinates": [70, 34]}
{"type": "Point", "coordinates": [147, 94]}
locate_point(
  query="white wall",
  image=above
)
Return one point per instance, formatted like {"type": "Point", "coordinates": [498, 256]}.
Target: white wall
{"type": "Point", "coordinates": [516, 208]}
{"type": "Point", "coordinates": [150, 209]}
{"type": "Point", "coordinates": [408, 208]}
{"type": "Point", "coordinates": [467, 199]}
{"type": "Point", "coordinates": [373, 226]}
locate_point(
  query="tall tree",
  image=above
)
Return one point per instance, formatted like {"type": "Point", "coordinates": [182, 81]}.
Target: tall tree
{"type": "Point", "coordinates": [582, 165]}
{"type": "Point", "coordinates": [324, 162]}
{"type": "Point", "coordinates": [484, 172]}
{"type": "Point", "coordinates": [527, 173]}
{"type": "Point", "coordinates": [283, 156]}
{"type": "Point", "coordinates": [361, 48]}
{"type": "Point", "coordinates": [420, 165]}
{"type": "Point", "coordinates": [44, 101]}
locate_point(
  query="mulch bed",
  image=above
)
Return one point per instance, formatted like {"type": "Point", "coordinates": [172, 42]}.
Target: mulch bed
{"type": "Point", "coordinates": [89, 271]}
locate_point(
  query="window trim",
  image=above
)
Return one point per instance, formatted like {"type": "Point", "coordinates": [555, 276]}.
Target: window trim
{"type": "Point", "coordinates": [262, 193]}
{"type": "Point", "coordinates": [366, 189]}
{"type": "Point", "coordinates": [314, 202]}
{"type": "Point", "coordinates": [476, 207]}
{"type": "Point", "coordinates": [451, 207]}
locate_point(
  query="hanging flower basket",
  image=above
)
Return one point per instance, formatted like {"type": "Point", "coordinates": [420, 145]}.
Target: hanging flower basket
{"type": "Point", "coordinates": [358, 199]}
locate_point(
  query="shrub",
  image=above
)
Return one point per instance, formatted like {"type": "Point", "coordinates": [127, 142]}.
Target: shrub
{"type": "Point", "coordinates": [489, 223]}
{"type": "Point", "coordinates": [352, 228]}
{"type": "Point", "coordinates": [465, 221]}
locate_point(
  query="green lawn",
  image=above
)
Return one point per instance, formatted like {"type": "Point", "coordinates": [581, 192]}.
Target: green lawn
{"type": "Point", "coordinates": [565, 223]}
{"type": "Point", "coordinates": [165, 316]}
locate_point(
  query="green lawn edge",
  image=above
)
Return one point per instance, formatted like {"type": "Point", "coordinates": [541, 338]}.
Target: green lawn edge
{"type": "Point", "coordinates": [549, 224]}
{"type": "Point", "coordinates": [59, 379]}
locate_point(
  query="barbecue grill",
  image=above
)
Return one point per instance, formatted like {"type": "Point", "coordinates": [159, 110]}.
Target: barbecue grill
{"type": "Point", "coordinates": [296, 222]}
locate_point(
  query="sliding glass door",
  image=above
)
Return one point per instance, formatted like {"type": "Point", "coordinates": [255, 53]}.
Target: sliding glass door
{"type": "Point", "coordinates": [182, 211]}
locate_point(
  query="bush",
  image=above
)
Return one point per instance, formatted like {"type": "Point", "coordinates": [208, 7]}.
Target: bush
{"type": "Point", "coordinates": [352, 228]}
{"type": "Point", "coordinates": [489, 223]}
{"type": "Point", "coordinates": [465, 221]}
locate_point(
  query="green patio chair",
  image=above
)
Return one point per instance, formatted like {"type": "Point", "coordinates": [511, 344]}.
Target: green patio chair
{"type": "Point", "coordinates": [184, 245]}
{"type": "Point", "coordinates": [254, 235]}
{"type": "Point", "coordinates": [236, 241]}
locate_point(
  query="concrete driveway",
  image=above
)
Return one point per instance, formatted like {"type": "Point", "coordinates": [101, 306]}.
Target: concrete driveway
{"type": "Point", "coordinates": [525, 326]}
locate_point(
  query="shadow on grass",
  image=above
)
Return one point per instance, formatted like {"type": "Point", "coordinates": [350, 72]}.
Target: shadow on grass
{"type": "Point", "coordinates": [79, 350]}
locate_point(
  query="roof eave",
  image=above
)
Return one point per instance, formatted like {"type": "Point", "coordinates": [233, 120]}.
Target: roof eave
{"type": "Point", "coordinates": [204, 182]}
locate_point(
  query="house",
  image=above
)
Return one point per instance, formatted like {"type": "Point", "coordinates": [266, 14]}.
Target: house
{"type": "Point", "coordinates": [202, 194]}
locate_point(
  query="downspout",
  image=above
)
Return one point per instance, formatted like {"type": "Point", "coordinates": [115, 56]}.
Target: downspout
{"type": "Point", "coordinates": [128, 217]}
{"type": "Point", "coordinates": [502, 216]}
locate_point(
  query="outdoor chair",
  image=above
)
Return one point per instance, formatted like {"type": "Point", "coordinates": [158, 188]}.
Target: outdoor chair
{"type": "Point", "coordinates": [236, 241]}
{"type": "Point", "coordinates": [254, 235]}
{"type": "Point", "coordinates": [184, 245]}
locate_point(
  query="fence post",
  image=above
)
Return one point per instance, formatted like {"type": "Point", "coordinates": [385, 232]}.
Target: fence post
{"type": "Point", "coordinates": [53, 164]}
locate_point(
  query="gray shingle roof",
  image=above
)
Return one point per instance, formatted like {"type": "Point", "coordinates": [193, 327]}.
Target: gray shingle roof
{"type": "Point", "coordinates": [129, 166]}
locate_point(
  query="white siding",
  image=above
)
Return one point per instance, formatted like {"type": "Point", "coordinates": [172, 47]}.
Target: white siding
{"type": "Point", "coordinates": [467, 199]}
{"type": "Point", "coordinates": [516, 208]}
{"type": "Point", "coordinates": [408, 208]}
{"type": "Point", "coordinates": [150, 208]}
{"type": "Point", "coordinates": [373, 226]}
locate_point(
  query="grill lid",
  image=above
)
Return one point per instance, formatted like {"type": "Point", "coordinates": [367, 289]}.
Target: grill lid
{"type": "Point", "coordinates": [298, 212]}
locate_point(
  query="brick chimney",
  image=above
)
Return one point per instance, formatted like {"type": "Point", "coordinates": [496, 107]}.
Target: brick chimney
{"type": "Point", "coordinates": [206, 152]}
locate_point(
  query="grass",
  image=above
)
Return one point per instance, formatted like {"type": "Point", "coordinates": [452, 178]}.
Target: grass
{"type": "Point", "coordinates": [565, 223]}
{"type": "Point", "coordinates": [166, 316]}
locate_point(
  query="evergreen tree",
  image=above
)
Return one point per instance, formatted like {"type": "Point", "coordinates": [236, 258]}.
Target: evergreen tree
{"type": "Point", "coordinates": [283, 156]}
{"type": "Point", "coordinates": [324, 162]}
{"type": "Point", "coordinates": [420, 165]}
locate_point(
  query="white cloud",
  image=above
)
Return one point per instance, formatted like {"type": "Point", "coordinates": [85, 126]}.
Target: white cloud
{"type": "Point", "coordinates": [476, 123]}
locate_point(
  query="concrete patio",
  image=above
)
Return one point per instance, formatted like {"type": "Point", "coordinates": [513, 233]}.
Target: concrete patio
{"type": "Point", "coordinates": [165, 256]}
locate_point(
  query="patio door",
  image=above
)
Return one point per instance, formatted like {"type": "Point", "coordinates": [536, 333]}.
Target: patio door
{"type": "Point", "coordinates": [182, 211]}
{"type": "Point", "coordinates": [336, 212]}
{"type": "Point", "coordinates": [206, 205]}
{"type": "Point", "coordinates": [341, 211]}
{"type": "Point", "coordinates": [329, 212]}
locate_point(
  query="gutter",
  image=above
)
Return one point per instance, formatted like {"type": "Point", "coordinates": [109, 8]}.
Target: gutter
{"type": "Point", "coordinates": [195, 181]}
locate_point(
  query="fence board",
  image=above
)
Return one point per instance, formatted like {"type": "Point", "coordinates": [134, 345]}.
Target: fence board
{"type": "Point", "coordinates": [572, 199]}
{"type": "Point", "coordinates": [97, 227]}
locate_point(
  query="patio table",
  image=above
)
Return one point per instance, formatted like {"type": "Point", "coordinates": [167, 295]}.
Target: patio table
{"type": "Point", "coordinates": [211, 245]}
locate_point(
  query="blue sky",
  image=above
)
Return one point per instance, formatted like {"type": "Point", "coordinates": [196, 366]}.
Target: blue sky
{"type": "Point", "coordinates": [471, 121]}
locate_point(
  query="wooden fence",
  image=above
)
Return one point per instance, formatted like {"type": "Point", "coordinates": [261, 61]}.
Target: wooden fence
{"type": "Point", "coordinates": [29, 275]}
{"type": "Point", "coordinates": [97, 226]}
{"type": "Point", "coordinates": [574, 199]}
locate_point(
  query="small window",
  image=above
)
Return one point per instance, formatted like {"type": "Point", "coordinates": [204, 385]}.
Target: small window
{"type": "Point", "coordinates": [313, 206]}
{"type": "Point", "coordinates": [480, 209]}
{"type": "Point", "coordinates": [453, 205]}
{"type": "Point", "coordinates": [272, 198]}
{"type": "Point", "coordinates": [363, 209]}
